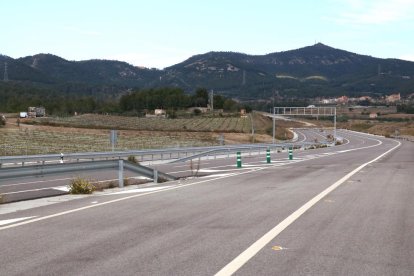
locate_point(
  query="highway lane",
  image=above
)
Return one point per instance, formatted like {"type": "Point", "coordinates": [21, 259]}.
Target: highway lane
{"type": "Point", "coordinates": [362, 228]}
{"type": "Point", "coordinates": [199, 226]}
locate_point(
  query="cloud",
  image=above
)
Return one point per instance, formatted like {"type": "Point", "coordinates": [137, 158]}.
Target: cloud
{"type": "Point", "coordinates": [377, 12]}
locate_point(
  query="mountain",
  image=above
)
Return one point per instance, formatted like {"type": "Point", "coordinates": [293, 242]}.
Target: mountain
{"type": "Point", "coordinates": [89, 71]}
{"type": "Point", "coordinates": [310, 71]}
{"type": "Point", "coordinates": [317, 70]}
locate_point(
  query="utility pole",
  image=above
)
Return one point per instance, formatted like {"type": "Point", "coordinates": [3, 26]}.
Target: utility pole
{"type": "Point", "coordinates": [274, 126]}
{"type": "Point", "coordinates": [212, 100]}
{"type": "Point", "coordinates": [274, 119]}
{"type": "Point", "coordinates": [335, 125]}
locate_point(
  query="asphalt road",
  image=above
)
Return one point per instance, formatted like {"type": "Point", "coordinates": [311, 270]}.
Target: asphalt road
{"type": "Point", "coordinates": [344, 210]}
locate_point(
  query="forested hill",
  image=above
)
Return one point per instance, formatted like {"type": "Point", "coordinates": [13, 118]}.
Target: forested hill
{"type": "Point", "coordinates": [317, 70]}
{"type": "Point", "coordinates": [90, 77]}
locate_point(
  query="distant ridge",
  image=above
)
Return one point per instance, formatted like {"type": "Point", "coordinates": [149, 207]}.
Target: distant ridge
{"type": "Point", "coordinates": [317, 70]}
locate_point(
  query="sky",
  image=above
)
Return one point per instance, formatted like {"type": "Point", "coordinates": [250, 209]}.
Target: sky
{"type": "Point", "coordinates": [161, 33]}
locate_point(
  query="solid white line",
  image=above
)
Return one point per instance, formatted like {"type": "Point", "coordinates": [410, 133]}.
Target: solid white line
{"type": "Point", "coordinates": [8, 221]}
{"type": "Point", "coordinates": [140, 190]}
{"type": "Point", "coordinates": [304, 136]}
{"type": "Point", "coordinates": [34, 190]}
{"type": "Point", "coordinates": [250, 252]}
{"type": "Point", "coordinates": [33, 182]}
{"type": "Point", "coordinates": [62, 188]}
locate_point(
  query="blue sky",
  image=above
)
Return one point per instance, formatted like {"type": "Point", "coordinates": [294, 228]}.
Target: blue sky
{"type": "Point", "coordinates": [160, 33]}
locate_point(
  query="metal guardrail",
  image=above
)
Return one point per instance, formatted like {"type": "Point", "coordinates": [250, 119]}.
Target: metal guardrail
{"type": "Point", "coordinates": [145, 155]}
{"type": "Point", "coordinates": [40, 170]}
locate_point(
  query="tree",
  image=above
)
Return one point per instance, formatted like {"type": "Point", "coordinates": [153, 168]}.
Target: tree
{"type": "Point", "coordinates": [230, 105]}
{"type": "Point", "coordinates": [201, 97]}
{"type": "Point", "coordinates": [218, 101]}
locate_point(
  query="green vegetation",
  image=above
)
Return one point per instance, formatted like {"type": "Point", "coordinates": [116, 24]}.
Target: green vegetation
{"type": "Point", "coordinates": [16, 97]}
{"type": "Point", "coordinates": [80, 185]}
{"type": "Point", "coordinates": [405, 108]}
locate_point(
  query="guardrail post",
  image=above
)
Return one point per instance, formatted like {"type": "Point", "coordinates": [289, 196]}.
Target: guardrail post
{"type": "Point", "coordinates": [239, 162]}
{"type": "Point", "coordinates": [290, 153]}
{"type": "Point", "coordinates": [155, 176]}
{"type": "Point", "coordinates": [121, 173]}
{"type": "Point", "coordinates": [268, 155]}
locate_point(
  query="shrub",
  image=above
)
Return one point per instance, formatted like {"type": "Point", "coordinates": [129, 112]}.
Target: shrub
{"type": "Point", "coordinates": [80, 185]}
{"type": "Point", "coordinates": [197, 112]}
{"type": "Point", "coordinates": [133, 159]}
{"type": "Point", "coordinates": [2, 120]}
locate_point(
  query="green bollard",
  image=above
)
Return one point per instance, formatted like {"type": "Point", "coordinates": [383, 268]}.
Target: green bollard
{"type": "Point", "coordinates": [239, 162]}
{"type": "Point", "coordinates": [268, 155]}
{"type": "Point", "coordinates": [290, 153]}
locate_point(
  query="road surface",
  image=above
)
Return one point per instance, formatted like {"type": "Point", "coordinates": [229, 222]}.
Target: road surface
{"type": "Point", "coordinates": [345, 210]}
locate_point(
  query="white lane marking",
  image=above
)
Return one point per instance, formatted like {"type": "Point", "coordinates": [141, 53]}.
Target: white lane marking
{"type": "Point", "coordinates": [34, 190]}
{"type": "Point", "coordinates": [304, 136]}
{"type": "Point", "coordinates": [8, 221]}
{"type": "Point", "coordinates": [367, 147]}
{"type": "Point", "coordinates": [143, 190]}
{"type": "Point", "coordinates": [250, 252]}
{"type": "Point", "coordinates": [33, 182]}
{"type": "Point", "coordinates": [62, 188]}
{"type": "Point", "coordinates": [220, 174]}
{"type": "Point", "coordinates": [208, 170]}
{"type": "Point", "coordinates": [230, 166]}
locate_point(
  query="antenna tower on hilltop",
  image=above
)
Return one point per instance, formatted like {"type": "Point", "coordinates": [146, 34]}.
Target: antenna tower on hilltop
{"type": "Point", "coordinates": [6, 75]}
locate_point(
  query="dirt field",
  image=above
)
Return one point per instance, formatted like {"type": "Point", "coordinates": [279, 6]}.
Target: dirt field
{"type": "Point", "coordinates": [25, 139]}
{"type": "Point", "coordinates": [45, 139]}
